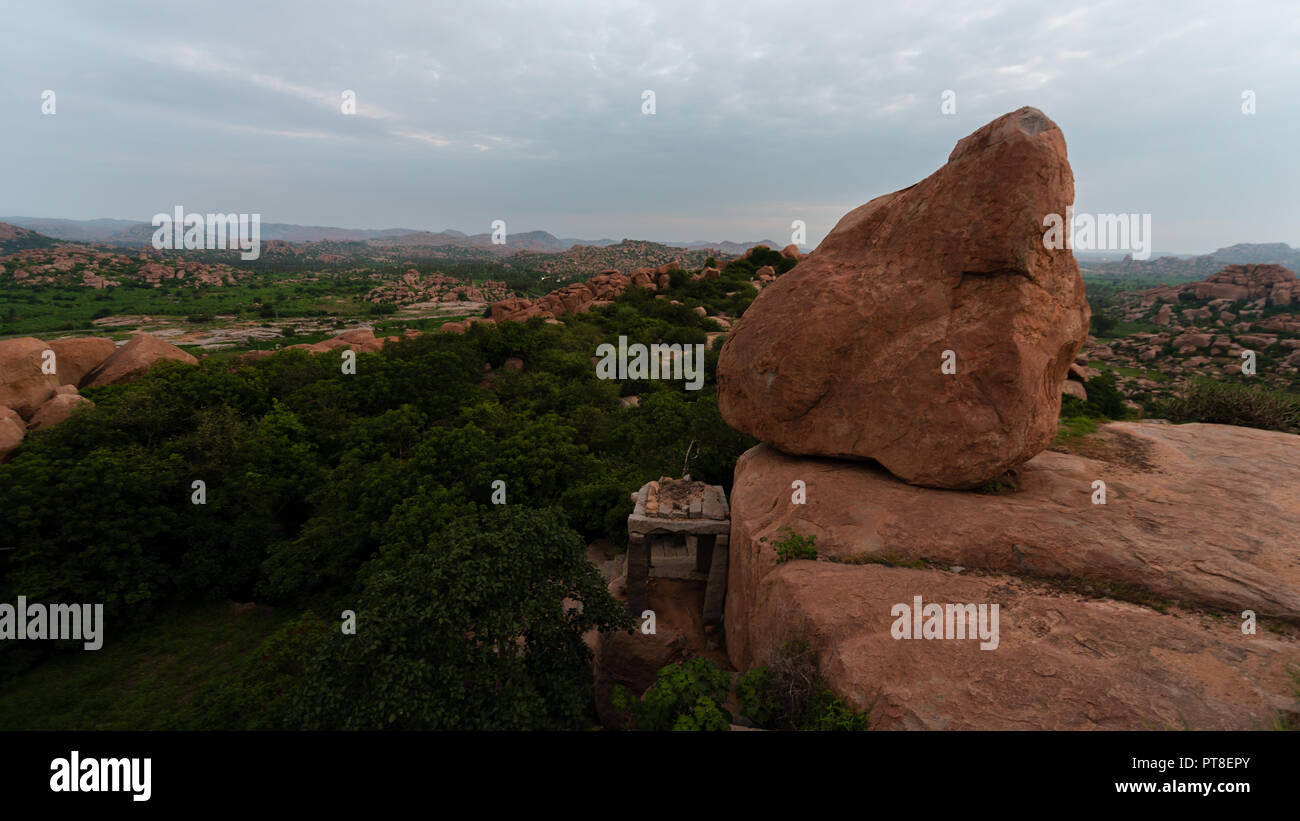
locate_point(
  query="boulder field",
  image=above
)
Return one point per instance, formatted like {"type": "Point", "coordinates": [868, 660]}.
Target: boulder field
{"type": "Point", "coordinates": [931, 330]}
{"type": "Point", "coordinates": [1125, 614]}
{"type": "Point", "coordinates": [31, 398]}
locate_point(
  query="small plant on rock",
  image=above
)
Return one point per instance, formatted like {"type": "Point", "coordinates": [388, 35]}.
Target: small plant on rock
{"type": "Point", "coordinates": [794, 546]}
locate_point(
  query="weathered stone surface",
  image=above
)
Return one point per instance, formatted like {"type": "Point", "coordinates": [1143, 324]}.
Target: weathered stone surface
{"type": "Point", "coordinates": [56, 409]}
{"type": "Point", "coordinates": [842, 355]}
{"type": "Point", "coordinates": [359, 340]}
{"type": "Point", "coordinates": [133, 360]}
{"type": "Point", "coordinates": [1204, 514]}
{"type": "Point", "coordinates": [78, 356]}
{"type": "Point", "coordinates": [12, 430]}
{"type": "Point", "coordinates": [1198, 520]}
{"type": "Point", "coordinates": [23, 385]}
{"type": "Point", "coordinates": [1062, 662]}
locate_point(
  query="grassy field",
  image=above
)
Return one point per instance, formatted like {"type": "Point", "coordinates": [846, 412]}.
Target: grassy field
{"type": "Point", "coordinates": [41, 309]}
{"type": "Point", "coordinates": [145, 681]}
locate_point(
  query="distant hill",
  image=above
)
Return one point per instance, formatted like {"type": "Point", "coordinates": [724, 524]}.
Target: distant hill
{"type": "Point", "coordinates": [1246, 253]}
{"type": "Point", "coordinates": [726, 246]}
{"type": "Point", "coordinates": [136, 233]}
{"type": "Point", "coordinates": [132, 232]}
{"type": "Point", "coordinates": [72, 230]}
{"type": "Point", "coordinates": [13, 238]}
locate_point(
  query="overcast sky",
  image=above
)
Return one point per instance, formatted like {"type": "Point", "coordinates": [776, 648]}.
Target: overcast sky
{"type": "Point", "coordinates": [532, 112]}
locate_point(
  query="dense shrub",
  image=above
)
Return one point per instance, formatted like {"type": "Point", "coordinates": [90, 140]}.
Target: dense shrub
{"type": "Point", "coordinates": [687, 696]}
{"type": "Point", "coordinates": [790, 694]}
{"type": "Point", "coordinates": [1226, 403]}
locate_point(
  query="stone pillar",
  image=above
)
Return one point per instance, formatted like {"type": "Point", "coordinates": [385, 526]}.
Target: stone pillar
{"type": "Point", "coordinates": [715, 594]}
{"type": "Point", "coordinates": [638, 572]}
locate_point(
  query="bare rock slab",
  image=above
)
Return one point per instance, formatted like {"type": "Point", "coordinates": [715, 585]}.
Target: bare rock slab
{"type": "Point", "coordinates": [1062, 662]}
{"type": "Point", "coordinates": [1133, 607]}
{"type": "Point", "coordinates": [133, 360]}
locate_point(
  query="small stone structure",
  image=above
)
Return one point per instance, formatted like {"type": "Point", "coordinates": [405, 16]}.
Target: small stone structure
{"type": "Point", "coordinates": [668, 511]}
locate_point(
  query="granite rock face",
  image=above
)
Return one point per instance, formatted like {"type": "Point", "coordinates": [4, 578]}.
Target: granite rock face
{"type": "Point", "coordinates": [845, 354]}
{"type": "Point", "coordinates": [1119, 611]}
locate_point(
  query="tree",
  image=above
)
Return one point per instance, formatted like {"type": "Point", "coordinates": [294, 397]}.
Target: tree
{"type": "Point", "coordinates": [479, 627]}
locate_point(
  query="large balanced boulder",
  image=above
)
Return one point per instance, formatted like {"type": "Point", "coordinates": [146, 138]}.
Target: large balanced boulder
{"type": "Point", "coordinates": [133, 360]}
{"type": "Point", "coordinates": [845, 355]}
{"type": "Point", "coordinates": [1121, 570]}
{"type": "Point", "coordinates": [24, 385]}
{"type": "Point", "coordinates": [78, 356]}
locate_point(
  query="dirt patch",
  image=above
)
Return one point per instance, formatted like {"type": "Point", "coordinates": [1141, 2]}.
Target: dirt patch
{"type": "Point", "coordinates": [1116, 447]}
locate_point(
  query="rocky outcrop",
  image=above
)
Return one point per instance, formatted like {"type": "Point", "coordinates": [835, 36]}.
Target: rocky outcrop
{"type": "Point", "coordinates": [462, 326]}
{"type": "Point", "coordinates": [845, 354]}
{"type": "Point", "coordinates": [24, 386]}
{"type": "Point", "coordinates": [133, 360]}
{"type": "Point", "coordinates": [78, 356]}
{"type": "Point", "coordinates": [1273, 283]}
{"type": "Point", "coordinates": [57, 409]}
{"type": "Point", "coordinates": [1063, 662]}
{"type": "Point", "coordinates": [1122, 615]}
{"type": "Point", "coordinates": [582, 296]}
{"type": "Point", "coordinates": [360, 340]}
{"type": "Point", "coordinates": [12, 430]}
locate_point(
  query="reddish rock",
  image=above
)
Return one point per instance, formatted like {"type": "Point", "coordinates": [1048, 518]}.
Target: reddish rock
{"type": "Point", "coordinates": [12, 430]}
{"type": "Point", "coordinates": [1188, 342]}
{"type": "Point", "coordinates": [360, 340]}
{"type": "Point", "coordinates": [842, 355]}
{"type": "Point", "coordinates": [1071, 387]}
{"type": "Point", "coordinates": [513, 363]}
{"type": "Point", "coordinates": [57, 409]}
{"type": "Point", "coordinates": [1273, 284]}
{"type": "Point", "coordinates": [133, 360]}
{"type": "Point", "coordinates": [78, 356]}
{"type": "Point", "coordinates": [1082, 372]}
{"type": "Point", "coordinates": [790, 252]}
{"type": "Point", "coordinates": [1232, 487]}
{"type": "Point", "coordinates": [23, 385]}
{"type": "Point", "coordinates": [1064, 660]}
{"type": "Point", "coordinates": [644, 278]}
